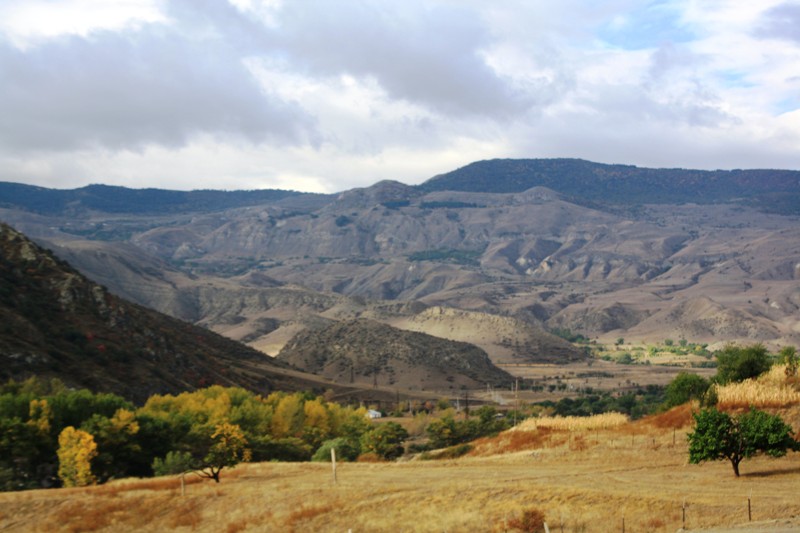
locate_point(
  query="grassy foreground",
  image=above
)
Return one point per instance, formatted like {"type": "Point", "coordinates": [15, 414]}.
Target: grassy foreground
{"type": "Point", "coordinates": [582, 478]}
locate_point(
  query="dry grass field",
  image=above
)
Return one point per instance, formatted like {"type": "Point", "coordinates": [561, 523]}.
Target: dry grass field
{"type": "Point", "coordinates": [584, 477]}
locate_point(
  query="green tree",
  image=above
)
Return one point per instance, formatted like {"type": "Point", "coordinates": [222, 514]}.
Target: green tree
{"type": "Point", "coordinates": [76, 449]}
{"type": "Point", "coordinates": [718, 436]}
{"type": "Point", "coordinates": [685, 387]}
{"type": "Point", "coordinates": [385, 441]}
{"type": "Point", "coordinates": [735, 363]}
{"type": "Point", "coordinates": [174, 462]}
{"type": "Point", "coordinates": [346, 450]}
{"type": "Point", "coordinates": [118, 452]}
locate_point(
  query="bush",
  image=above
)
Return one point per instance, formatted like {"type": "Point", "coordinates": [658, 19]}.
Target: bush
{"type": "Point", "coordinates": [386, 440]}
{"type": "Point", "coordinates": [531, 521]}
{"type": "Point", "coordinates": [685, 387]}
{"type": "Point", "coordinates": [736, 363]}
{"type": "Point", "coordinates": [453, 452]}
{"type": "Point", "coordinates": [346, 450]}
{"type": "Point", "coordinates": [173, 463]}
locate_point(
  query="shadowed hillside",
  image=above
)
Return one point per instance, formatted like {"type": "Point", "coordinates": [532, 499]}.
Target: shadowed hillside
{"type": "Point", "coordinates": [56, 323]}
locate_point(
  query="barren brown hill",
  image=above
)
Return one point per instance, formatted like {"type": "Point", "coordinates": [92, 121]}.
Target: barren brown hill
{"type": "Point", "coordinates": [365, 351]}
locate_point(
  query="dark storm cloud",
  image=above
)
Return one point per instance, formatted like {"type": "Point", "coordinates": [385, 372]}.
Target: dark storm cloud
{"type": "Point", "coordinates": [161, 84]}
{"type": "Point", "coordinates": [782, 22]}
{"type": "Point", "coordinates": [422, 53]}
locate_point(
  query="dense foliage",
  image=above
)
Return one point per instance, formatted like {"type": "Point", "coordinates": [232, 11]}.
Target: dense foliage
{"type": "Point", "coordinates": [51, 436]}
{"type": "Point", "coordinates": [447, 431]}
{"type": "Point", "coordinates": [685, 387]}
{"type": "Point", "coordinates": [738, 363]}
{"type": "Point", "coordinates": [718, 435]}
{"type": "Point", "coordinates": [112, 199]}
{"type": "Point", "coordinates": [636, 404]}
{"type": "Point", "coordinates": [770, 190]}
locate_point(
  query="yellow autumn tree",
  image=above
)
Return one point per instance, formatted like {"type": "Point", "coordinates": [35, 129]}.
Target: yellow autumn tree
{"type": "Point", "coordinates": [40, 415]}
{"type": "Point", "coordinates": [287, 421]}
{"type": "Point", "coordinates": [76, 449]}
{"type": "Point", "coordinates": [316, 422]}
{"type": "Point", "coordinates": [229, 448]}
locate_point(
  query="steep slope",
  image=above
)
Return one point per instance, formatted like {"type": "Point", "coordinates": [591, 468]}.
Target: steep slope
{"type": "Point", "coordinates": [368, 352]}
{"type": "Point", "coordinates": [56, 323]}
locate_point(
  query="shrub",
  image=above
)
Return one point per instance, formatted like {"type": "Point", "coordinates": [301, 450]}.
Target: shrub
{"type": "Point", "coordinates": [453, 452]}
{"type": "Point", "coordinates": [386, 440]}
{"type": "Point", "coordinates": [173, 463]}
{"type": "Point", "coordinates": [685, 387]}
{"type": "Point", "coordinates": [736, 363]}
{"type": "Point", "coordinates": [531, 521]}
{"type": "Point", "coordinates": [346, 450]}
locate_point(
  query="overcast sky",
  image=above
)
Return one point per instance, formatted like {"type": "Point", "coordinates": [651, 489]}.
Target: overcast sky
{"type": "Point", "coordinates": [333, 94]}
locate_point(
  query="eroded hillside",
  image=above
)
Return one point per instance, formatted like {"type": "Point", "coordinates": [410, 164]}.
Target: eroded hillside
{"type": "Point", "coordinates": [619, 265]}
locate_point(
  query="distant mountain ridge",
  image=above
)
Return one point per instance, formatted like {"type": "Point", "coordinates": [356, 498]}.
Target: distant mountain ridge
{"type": "Point", "coordinates": [772, 190]}
{"type": "Point", "coordinates": [123, 200]}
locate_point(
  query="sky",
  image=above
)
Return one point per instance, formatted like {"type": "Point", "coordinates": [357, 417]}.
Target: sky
{"type": "Point", "coordinates": [324, 95]}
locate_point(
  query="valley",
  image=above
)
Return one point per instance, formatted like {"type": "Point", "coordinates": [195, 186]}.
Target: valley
{"type": "Point", "coordinates": [498, 254]}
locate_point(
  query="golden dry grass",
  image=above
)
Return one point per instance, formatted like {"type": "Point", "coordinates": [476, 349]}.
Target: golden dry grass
{"type": "Point", "coordinates": [581, 479]}
{"type": "Point", "coordinates": [772, 390]}
{"type": "Point", "coordinates": [574, 423]}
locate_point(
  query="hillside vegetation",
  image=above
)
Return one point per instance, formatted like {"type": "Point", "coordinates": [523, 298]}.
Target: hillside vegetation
{"type": "Point", "coordinates": [772, 190]}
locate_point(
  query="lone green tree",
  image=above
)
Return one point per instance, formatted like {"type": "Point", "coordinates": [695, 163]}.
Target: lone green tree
{"type": "Point", "coordinates": [718, 436]}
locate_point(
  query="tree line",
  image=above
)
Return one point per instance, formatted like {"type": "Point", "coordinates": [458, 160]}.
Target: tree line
{"type": "Point", "coordinates": [51, 436]}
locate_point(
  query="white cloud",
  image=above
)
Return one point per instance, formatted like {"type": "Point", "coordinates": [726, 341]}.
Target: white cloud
{"type": "Point", "coordinates": [318, 95]}
{"type": "Point", "coordinates": [27, 22]}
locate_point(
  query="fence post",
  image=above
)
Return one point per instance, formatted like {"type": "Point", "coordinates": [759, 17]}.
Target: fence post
{"type": "Point", "coordinates": [333, 464]}
{"type": "Point", "coordinates": [683, 514]}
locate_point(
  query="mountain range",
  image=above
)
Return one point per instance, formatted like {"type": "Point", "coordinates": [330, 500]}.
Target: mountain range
{"type": "Point", "coordinates": [55, 323]}
{"type": "Point", "coordinates": [496, 254]}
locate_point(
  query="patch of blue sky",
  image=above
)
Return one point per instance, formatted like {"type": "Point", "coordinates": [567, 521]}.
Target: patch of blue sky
{"type": "Point", "coordinates": [786, 105]}
{"type": "Point", "coordinates": [649, 26]}
{"type": "Point", "coordinates": [735, 78]}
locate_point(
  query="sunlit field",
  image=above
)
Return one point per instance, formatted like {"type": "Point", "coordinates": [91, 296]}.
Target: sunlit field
{"type": "Point", "coordinates": [583, 476]}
